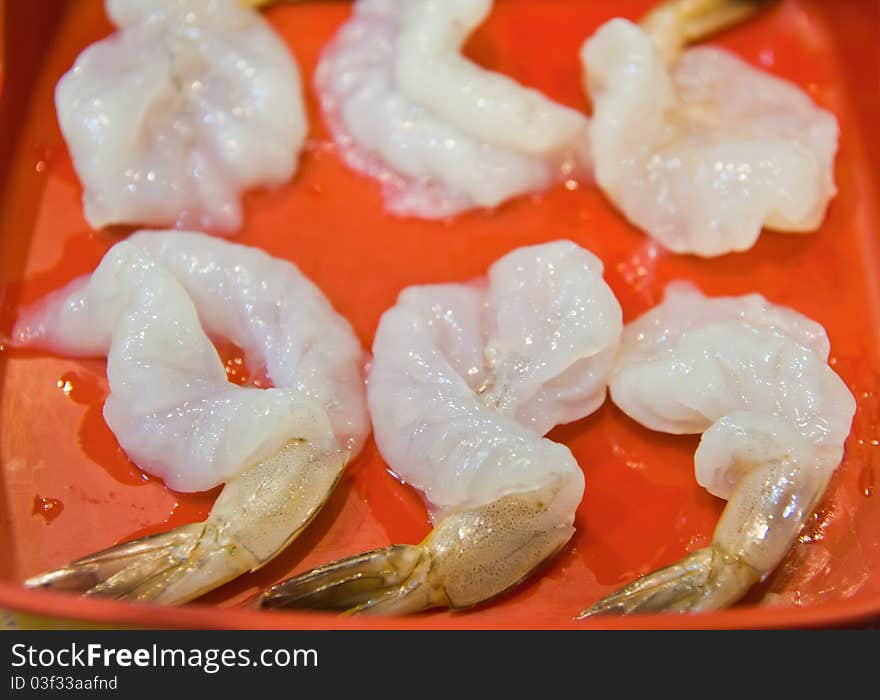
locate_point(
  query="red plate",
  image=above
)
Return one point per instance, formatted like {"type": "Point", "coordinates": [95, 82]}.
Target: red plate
{"type": "Point", "coordinates": [66, 489]}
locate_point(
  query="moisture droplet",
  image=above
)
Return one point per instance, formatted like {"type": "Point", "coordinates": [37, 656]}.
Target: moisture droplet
{"type": "Point", "coordinates": [48, 508]}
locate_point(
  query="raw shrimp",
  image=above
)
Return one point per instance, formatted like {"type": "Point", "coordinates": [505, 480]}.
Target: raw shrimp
{"type": "Point", "coordinates": [440, 133]}
{"type": "Point", "coordinates": [697, 147]}
{"type": "Point", "coordinates": [172, 117]}
{"type": "Point", "coordinates": [465, 380]}
{"type": "Point", "coordinates": [279, 451]}
{"type": "Point", "coordinates": [754, 379]}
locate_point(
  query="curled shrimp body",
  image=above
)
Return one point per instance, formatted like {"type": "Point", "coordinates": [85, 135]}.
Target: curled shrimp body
{"type": "Point", "coordinates": [180, 111]}
{"type": "Point", "coordinates": [695, 146]}
{"type": "Point", "coordinates": [754, 379]}
{"type": "Point", "coordinates": [465, 381]}
{"type": "Point", "coordinates": [279, 451]}
{"type": "Point", "coordinates": [440, 133]}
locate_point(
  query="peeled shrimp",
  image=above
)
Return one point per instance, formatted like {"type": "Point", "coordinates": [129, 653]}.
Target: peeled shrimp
{"type": "Point", "coordinates": [465, 380]}
{"type": "Point", "coordinates": [172, 117]}
{"type": "Point", "coordinates": [279, 451]}
{"type": "Point", "coordinates": [696, 147]}
{"type": "Point", "coordinates": [440, 133]}
{"type": "Point", "coordinates": [754, 379]}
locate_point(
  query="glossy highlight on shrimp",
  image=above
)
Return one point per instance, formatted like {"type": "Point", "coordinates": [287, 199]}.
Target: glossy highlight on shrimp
{"type": "Point", "coordinates": [465, 381]}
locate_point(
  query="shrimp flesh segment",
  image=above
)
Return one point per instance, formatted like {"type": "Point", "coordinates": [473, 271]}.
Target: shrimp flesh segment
{"type": "Point", "coordinates": [698, 148]}
{"type": "Point", "coordinates": [464, 382]}
{"type": "Point", "coordinates": [754, 379]}
{"type": "Point", "coordinates": [439, 132]}
{"type": "Point", "coordinates": [279, 450]}
{"type": "Point", "coordinates": [172, 117]}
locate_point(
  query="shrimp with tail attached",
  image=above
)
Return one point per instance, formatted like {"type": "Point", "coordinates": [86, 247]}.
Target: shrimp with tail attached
{"type": "Point", "coordinates": [754, 379]}
{"type": "Point", "coordinates": [465, 380]}
{"type": "Point", "coordinates": [148, 307]}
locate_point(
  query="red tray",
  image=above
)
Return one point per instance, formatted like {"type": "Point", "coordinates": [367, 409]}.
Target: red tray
{"type": "Point", "coordinates": [66, 488]}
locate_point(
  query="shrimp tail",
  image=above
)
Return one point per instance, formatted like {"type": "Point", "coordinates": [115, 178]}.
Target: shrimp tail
{"type": "Point", "coordinates": [706, 579]}
{"type": "Point", "coordinates": [677, 23]}
{"type": "Point", "coordinates": [390, 580]}
{"type": "Point", "coordinates": [170, 567]}
{"type": "Point", "coordinates": [765, 512]}
{"type": "Point", "coordinates": [117, 571]}
{"type": "Point", "coordinates": [471, 556]}
{"type": "Point", "coordinates": [254, 518]}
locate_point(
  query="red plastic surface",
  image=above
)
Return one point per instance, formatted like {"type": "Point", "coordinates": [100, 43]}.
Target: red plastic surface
{"type": "Point", "coordinates": [66, 489]}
